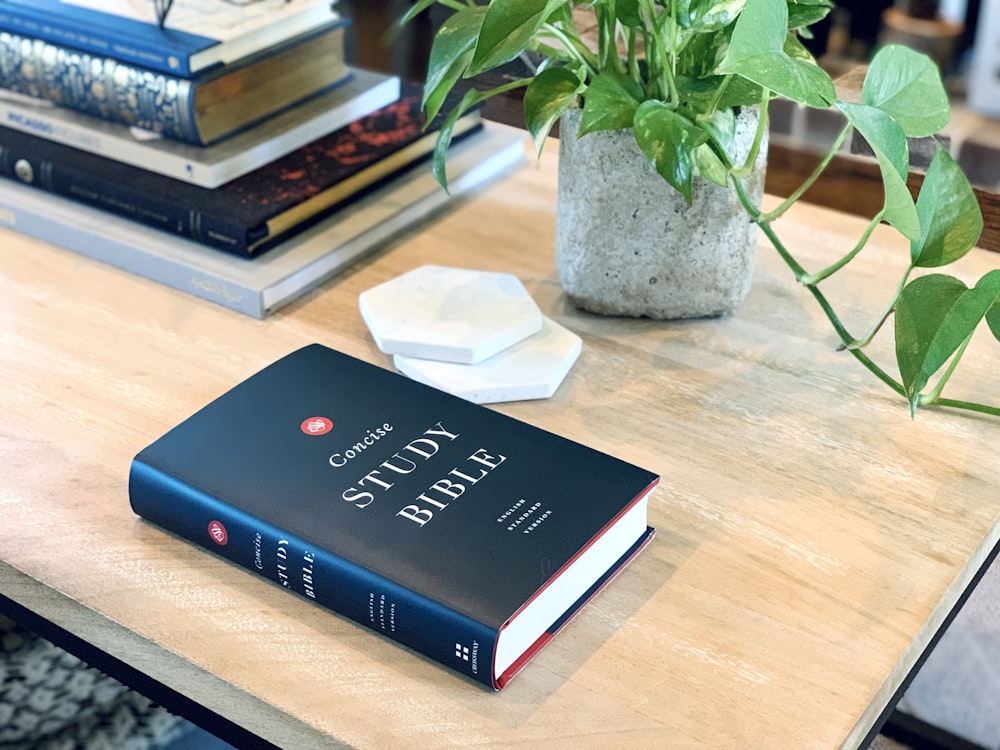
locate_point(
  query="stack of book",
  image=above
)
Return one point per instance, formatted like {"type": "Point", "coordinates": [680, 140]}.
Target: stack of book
{"type": "Point", "coordinates": [244, 168]}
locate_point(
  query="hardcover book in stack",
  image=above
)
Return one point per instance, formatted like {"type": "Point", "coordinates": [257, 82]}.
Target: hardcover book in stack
{"type": "Point", "coordinates": [244, 168]}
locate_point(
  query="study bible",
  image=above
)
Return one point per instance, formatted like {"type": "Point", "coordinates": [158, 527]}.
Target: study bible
{"type": "Point", "coordinates": [462, 533]}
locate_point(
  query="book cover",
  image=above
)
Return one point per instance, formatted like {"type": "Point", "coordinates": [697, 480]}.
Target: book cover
{"type": "Point", "coordinates": [251, 213]}
{"type": "Point", "coordinates": [446, 526]}
{"type": "Point", "coordinates": [209, 166]}
{"type": "Point", "coordinates": [197, 36]}
{"type": "Point", "coordinates": [265, 284]}
{"type": "Point", "coordinates": [200, 111]}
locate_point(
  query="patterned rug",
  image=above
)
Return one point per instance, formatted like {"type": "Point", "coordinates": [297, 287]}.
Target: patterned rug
{"type": "Point", "coordinates": [50, 700]}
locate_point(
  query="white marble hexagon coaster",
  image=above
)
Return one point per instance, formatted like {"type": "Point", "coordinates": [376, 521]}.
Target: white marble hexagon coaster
{"type": "Point", "coordinates": [531, 369]}
{"type": "Point", "coordinates": [449, 314]}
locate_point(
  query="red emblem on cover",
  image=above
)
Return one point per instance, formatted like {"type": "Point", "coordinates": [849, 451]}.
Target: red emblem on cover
{"type": "Point", "coordinates": [218, 533]}
{"type": "Point", "coordinates": [316, 426]}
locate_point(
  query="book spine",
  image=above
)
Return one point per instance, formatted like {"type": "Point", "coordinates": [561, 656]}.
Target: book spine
{"type": "Point", "coordinates": [342, 586]}
{"type": "Point", "coordinates": [99, 86]}
{"type": "Point", "coordinates": [102, 34]}
{"type": "Point", "coordinates": [90, 186]}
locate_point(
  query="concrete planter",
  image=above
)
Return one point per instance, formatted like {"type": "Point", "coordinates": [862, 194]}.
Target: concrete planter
{"type": "Point", "coordinates": [628, 244]}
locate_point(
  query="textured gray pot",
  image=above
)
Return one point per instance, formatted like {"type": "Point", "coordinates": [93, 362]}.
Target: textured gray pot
{"type": "Point", "coordinates": [628, 244]}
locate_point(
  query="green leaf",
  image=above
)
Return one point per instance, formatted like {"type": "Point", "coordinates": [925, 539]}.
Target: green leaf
{"type": "Point", "coordinates": [450, 55]}
{"type": "Point", "coordinates": [627, 13]}
{"type": "Point", "coordinates": [710, 15]}
{"type": "Point", "coordinates": [507, 31]}
{"type": "Point", "coordinates": [760, 29]}
{"type": "Point", "coordinates": [758, 53]}
{"type": "Point", "coordinates": [935, 314]}
{"type": "Point", "coordinates": [701, 54]}
{"type": "Point", "coordinates": [883, 134]}
{"type": "Point", "coordinates": [740, 93]}
{"type": "Point", "coordinates": [415, 10]}
{"type": "Point", "coordinates": [700, 95]}
{"type": "Point", "coordinates": [888, 141]}
{"type": "Point", "coordinates": [804, 13]}
{"type": "Point", "coordinates": [921, 310]}
{"type": "Point", "coordinates": [993, 320]}
{"type": "Point", "coordinates": [907, 85]}
{"type": "Point", "coordinates": [610, 102]}
{"type": "Point", "coordinates": [709, 166]}
{"type": "Point", "coordinates": [970, 310]}
{"type": "Point", "coordinates": [471, 98]}
{"type": "Point", "coordinates": [668, 140]}
{"type": "Point", "coordinates": [798, 51]}
{"type": "Point", "coordinates": [950, 217]}
{"type": "Point", "coordinates": [722, 129]}
{"type": "Point", "coordinates": [547, 97]}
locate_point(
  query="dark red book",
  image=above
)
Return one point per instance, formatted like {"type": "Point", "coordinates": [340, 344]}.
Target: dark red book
{"type": "Point", "coordinates": [251, 213]}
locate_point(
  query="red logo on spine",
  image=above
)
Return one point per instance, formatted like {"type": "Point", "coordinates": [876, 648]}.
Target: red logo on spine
{"type": "Point", "coordinates": [316, 426]}
{"type": "Point", "coordinates": [218, 533]}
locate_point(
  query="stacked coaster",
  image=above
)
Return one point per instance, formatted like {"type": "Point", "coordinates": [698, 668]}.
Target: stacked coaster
{"type": "Point", "coordinates": [476, 334]}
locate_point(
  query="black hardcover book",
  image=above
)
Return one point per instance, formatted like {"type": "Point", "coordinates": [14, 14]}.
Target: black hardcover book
{"type": "Point", "coordinates": [252, 213]}
{"type": "Point", "coordinates": [453, 529]}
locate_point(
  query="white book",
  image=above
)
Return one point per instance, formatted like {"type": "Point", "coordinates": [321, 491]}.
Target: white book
{"type": "Point", "coordinates": [209, 166]}
{"type": "Point", "coordinates": [262, 285]}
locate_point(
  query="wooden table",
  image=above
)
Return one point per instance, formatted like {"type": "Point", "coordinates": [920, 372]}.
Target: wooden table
{"type": "Point", "coordinates": [812, 537]}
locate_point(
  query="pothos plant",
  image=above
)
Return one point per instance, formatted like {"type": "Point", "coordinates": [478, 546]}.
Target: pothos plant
{"type": "Point", "coordinates": [677, 71]}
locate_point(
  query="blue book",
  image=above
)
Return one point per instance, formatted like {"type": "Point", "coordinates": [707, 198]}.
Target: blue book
{"type": "Point", "coordinates": [197, 36]}
{"type": "Point", "coordinates": [460, 532]}
{"type": "Point", "coordinates": [202, 110]}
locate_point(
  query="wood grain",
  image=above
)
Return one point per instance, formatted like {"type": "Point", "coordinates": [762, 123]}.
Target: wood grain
{"type": "Point", "coordinates": [812, 537]}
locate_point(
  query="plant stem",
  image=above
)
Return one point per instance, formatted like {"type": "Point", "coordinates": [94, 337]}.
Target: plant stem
{"type": "Point", "coordinates": [658, 51]}
{"type": "Point", "coordinates": [713, 108]}
{"type": "Point", "coordinates": [968, 406]}
{"type": "Point", "coordinates": [931, 399]}
{"type": "Point", "coordinates": [818, 295]}
{"type": "Point", "coordinates": [575, 47]}
{"type": "Point", "coordinates": [791, 199]}
{"type": "Point", "coordinates": [633, 58]}
{"type": "Point", "coordinates": [758, 138]}
{"type": "Point", "coordinates": [934, 397]}
{"type": "Point", "coordinates": [607, 48]}
{"type": "Point", "coordinates": [760, 220]}
{"type": "Point", "coordinates": [815, 278]}
{"type": "Point", "coordinates": [867, 338]}
{"type": "Point", "coordinates": [671, 69]}
{"type": "Point", "coordinates": [935, 392]}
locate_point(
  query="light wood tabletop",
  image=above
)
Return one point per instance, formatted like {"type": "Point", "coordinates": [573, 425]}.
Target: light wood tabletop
{"type": "Point", "coordinates": [812, 536]}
